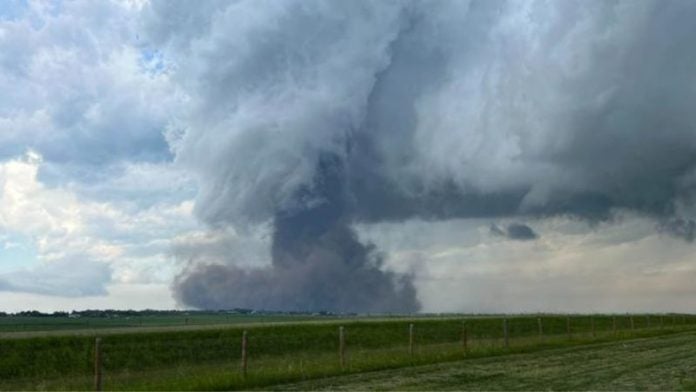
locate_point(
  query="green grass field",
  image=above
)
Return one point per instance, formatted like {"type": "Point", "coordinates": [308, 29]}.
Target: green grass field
{"type": "Point", "coordinates": [664, 363]}
{"type": "Point", "coordinates": [207, 356]}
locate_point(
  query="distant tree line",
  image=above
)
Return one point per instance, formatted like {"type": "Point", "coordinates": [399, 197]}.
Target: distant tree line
{"type": "Point", "coordinates": [111, 313]}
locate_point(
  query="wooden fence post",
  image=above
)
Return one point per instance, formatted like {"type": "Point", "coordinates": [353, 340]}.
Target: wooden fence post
{"type": "Point", "coordinates": [342, 346]}
{"type": "Point", "coordinates": [633, 325]}
{"type": "Point", "coordinates": [97, 365]}
{"type": "Point", "coordinates": [506, 335]}
{"type": "Point", "coordinates": [541, 328]}
{"type": "Point", "coordinates": [410, 339]}
{"type": "Point", "coordinates": [245, 355]}
{"type": "Point", "coordinates": [568, 327]}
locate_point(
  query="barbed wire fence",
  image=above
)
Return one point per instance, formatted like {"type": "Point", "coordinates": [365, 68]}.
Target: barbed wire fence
{"type": "Point", "coordinates": [294, 352]}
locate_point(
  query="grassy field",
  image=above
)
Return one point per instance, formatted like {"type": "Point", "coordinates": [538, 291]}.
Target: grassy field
{"type": "Point", "coordinates": [287, 351]}
{"type": "Point", "coordinates": [11, 324]}
{"type": "Point", "coordinates": [656, 363]}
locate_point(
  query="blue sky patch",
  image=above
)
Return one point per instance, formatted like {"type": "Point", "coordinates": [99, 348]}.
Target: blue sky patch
{"type": "Point", "coordinates": [12, 9]}
{"type": "Point", "coordinates": [16, 252]}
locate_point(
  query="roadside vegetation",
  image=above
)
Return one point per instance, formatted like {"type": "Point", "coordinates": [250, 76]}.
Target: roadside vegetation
{"type": "Point", "coordinates": [298, 351]}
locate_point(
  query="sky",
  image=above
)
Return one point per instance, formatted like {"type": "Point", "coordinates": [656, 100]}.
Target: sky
{"type": "Point", "coordinates": [393, 156]}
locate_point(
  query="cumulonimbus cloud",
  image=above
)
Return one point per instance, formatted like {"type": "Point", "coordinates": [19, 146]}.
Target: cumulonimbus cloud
{"type": "Point", "coordinates": [433, 110]}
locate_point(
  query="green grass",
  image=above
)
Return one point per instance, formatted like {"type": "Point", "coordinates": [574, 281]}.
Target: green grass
{"type": "Point", "coordinates": [208, 359]}
{"type": "Point", "coordinates": [663, 362]}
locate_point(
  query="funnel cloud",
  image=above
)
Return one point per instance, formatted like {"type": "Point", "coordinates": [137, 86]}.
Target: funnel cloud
{"type": "Point", "coordinates": [318, 262]}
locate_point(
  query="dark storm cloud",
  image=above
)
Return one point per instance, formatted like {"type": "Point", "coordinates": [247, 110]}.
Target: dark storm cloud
{"type": "Point", "coordinates": [518, 231]}
{"type": "Point", "coordinates": [680, 228]}
{"type": "Point", "coordinates": [496, 230]}
{"type": "Point", "coordinates": [514, 231]}
{"type": "Point", "coordinates": [318, 263]}
{"type": "Point", "coordinates": [434, 110]}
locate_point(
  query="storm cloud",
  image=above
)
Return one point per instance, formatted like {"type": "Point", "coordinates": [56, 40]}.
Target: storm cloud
{"type": "Point", "coordinates": [314, 116]}
{"type": "Point", "coordinates": [318, 263]}
{"type": "Point", "coordinates": [515, 231]}
{"type": "Point", "coordinates": [680, 228]}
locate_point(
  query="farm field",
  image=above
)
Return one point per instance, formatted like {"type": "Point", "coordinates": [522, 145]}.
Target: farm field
{"type": "Point", "coordinates": [654, 363]}
{"type": "Point", "coordinates": [284, 352]}
{"type": "Point", "coordinates": [11, 324]}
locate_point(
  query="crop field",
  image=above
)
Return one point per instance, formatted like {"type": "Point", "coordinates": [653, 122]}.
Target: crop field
{"type": "Point", "coordinates": [42, 324]}
{"type": "Point", "coordinates": [282, 353]}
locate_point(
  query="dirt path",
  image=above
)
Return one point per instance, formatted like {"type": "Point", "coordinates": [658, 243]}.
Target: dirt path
{"type": "Point", "coordinates": [658, 363]}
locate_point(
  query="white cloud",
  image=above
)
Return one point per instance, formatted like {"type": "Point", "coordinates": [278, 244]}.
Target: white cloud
{"type": "Point", "coordinates": [97, 200]}
{"type": "Point", "coordinates": [83, 245]}
{"type": "Point", "coordinates": [68, 277]}
{"type": "Point", "coordinates": [78, 88]}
